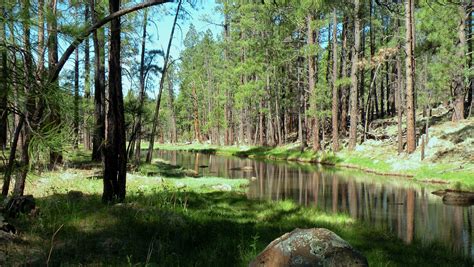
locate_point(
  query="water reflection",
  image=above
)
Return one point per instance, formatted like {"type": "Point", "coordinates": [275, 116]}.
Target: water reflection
{"type": "Point", "coordinates": [408, 210]}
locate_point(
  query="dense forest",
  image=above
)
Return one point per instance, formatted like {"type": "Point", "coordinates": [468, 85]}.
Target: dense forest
{"type": "Point", "coordinates": [318, 76]}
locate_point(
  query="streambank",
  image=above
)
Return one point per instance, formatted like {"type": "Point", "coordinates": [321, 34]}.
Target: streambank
{"type": "Point", "coordinates": [371, 157]}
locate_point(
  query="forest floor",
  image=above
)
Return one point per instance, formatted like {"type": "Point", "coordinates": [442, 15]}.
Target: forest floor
{"type": "Point", "coordinates": [449, 154]}
{"type": "Point", "coordinates": [172, 219]}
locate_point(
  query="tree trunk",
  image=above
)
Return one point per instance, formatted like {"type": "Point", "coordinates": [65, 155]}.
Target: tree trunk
{"type": "Point", "coordinates": [410, 74]}
{"type": "Point", "coordinates": [197, 128]}
{"type": "Point", "coordinates": [469, 103]}
{"type": "Point", "coordinates": [115, 158]}
{"type": "Point", "coordinates": [354, 68]}
{"type": "Point", "coordinates": [149, 155]}
{"type": "Point", "coordinates": [372, 75]}
{"type": "Point", "coordinates": [30, 107]}
{"type": "Point", "coordinates": [398, 94]}
{"type": "Point", "coordinates": [55, 155]}
{"type": "Point", "coordinates": [174, 134]}
{"type": "Point", "coordinates": [98, 38]}
{"type": "Point", "coordinates": [335, 96]}
{"type": "Point", "coordinates": [458, 79]}
{"type": "Point", "coordinates": [312, 72]}
{"type": "Point", "coordinates": [4, 88]}
{"type": "Point", "coordinates": [344, 88]}
{"type": "Point", "coordinates": [137, 130]}
{"type": "Point", "coordinates": [76, 100]}
{"type": "Point", "coordinates": [87, 85]}
{"type": "Point", "coordinates": [12, 156]}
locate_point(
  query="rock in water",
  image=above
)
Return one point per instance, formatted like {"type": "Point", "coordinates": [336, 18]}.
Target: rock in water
{"type": "Point", "coordinates": [20, 204]}
{"type": "Point", "coordinates": [309, 247]}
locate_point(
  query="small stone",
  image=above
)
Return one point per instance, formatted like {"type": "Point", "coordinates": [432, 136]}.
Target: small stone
{"type": "Point", "coordinates": [222, 187]}
{"type": "Point", "coordinates": [179, 185]}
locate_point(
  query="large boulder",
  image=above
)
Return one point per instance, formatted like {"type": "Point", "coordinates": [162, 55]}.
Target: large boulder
{"type": "Point", "coordinates": [309, 247]}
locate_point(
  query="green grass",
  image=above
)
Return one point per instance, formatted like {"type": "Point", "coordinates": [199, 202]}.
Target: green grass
{"type": "Point", "coordinates": [162, 224]}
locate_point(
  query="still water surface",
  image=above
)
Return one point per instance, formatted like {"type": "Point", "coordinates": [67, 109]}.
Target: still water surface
{"type": "Point", "coordinates": [393, 204]}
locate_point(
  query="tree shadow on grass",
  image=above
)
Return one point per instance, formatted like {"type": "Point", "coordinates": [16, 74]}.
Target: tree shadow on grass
{"type": "Point", "coordinates": [171, 228]}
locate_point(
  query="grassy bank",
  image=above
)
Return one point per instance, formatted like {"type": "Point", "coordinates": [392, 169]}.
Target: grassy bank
{"type": "Point", "coordinates": [374, 158]}
{"type": "Point", "coordinates": [172, 219]}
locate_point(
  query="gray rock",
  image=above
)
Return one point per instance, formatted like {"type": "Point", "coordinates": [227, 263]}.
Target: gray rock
{"type": "Point", "coordinates": [179, 185]}
{"type": "Point", "coordinates": [309, 247]}
{"type": "Point", "coordinates": [222, 187]}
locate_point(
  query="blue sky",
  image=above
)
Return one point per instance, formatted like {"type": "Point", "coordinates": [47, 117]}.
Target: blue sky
{"type": "Point", "coordinates": [204, 17]}
{"type": "Point", "coordinates": [159, 29]}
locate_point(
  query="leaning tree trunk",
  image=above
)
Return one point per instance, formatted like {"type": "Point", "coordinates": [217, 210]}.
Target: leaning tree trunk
{"type": "Point", "coordinates": [115, 156]}
{"type": "Point", "coordinates": [410, 74]}
{"type": "Point", "coordinates": [149, 155]}
{"type": "Point", "coordinates": [354, 68]}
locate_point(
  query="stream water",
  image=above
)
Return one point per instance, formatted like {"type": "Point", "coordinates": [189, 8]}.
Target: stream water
{"type": "Point", "coordinates": [392, 204]}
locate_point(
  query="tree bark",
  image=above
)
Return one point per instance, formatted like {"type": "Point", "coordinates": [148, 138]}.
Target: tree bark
{"type": "Point", "coordinates": [115, 153]}
{"type": "Point", "coordinates": [312, 72]}
{"type": "Point", "coordinates": [55, 155]}
{"type": "Point", "coordinates": [12, 156]}
{"type": "Point", "coordinates": [76, 99]}
{"type": "Point", "coordinates": [98, 39]}
{"type": "Point", "coordinates": [4, 88]}
{"type": "Point", "coordinates": [149, 155]}
{"type": "Point", "coordinates": [458, 79]}
{"type": "Point", "coordinates": [141, 97]}
{"type": "Point", "coordinates": [174, 134]}
{"type": "Point", "coordinates": [344, 89]}
{"type": "Point", "coordinates": [410, 74]}
{"type": "Point", "coordinates": [30, 106]}
{"type": "Point", "coordinates": [335, 96]}
{"type": "Point", "coordinates": [354, 68]}
{"type": "Point", "coordinates": [398, 94]}
{"type": "Point", "coordinates": [87, 84]}
{"type": "Point", "coordinates": [469, 103]}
